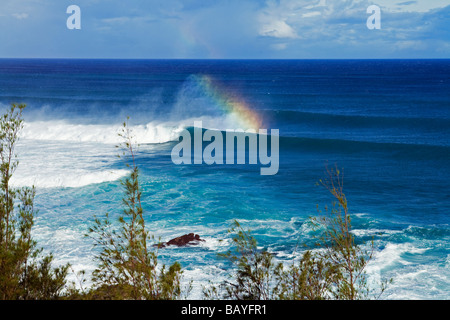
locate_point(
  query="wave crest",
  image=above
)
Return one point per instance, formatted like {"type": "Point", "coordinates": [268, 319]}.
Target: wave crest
{"type": "Point", "coordinates": [102, 133]}
{"type": "Point", "coordinates": [68, 180]}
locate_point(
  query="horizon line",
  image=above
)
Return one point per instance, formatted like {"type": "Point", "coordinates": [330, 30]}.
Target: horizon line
{"type": "Point", "coordinates": [217, 59]}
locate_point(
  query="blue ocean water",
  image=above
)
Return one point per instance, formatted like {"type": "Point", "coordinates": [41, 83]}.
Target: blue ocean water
{"type": "Point", "coordinates": [385, 122]}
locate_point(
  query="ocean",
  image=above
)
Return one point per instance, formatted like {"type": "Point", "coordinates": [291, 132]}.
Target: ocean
{"type": "Point", "coordinates": [385, 122]}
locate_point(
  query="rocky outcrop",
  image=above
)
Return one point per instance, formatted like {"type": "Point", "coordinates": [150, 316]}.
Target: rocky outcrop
{"type": "Point", "coordinates": [187, 239]}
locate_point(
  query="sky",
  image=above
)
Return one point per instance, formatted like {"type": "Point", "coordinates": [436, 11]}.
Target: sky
{"type": "Point", "coordinates": [225, 29]}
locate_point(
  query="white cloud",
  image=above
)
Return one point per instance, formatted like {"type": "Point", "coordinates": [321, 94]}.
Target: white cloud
{"type": "Point", "coordinates": [411, 6]}
{"type": "Point", "coordinates": [274, 19]}
{"type": "Point", "coordinates": [279, 46]}
{"type": "Point", "coordinates": [410, 44]}
{"type": "Point", "coordinates": [20, 16]}
{"type": "Point", "coordinates": [277, 29]}
{"type": "Point", "coordinates": [322, 3]}
{"type": "Point", "coordinates": [304, 24]}
{"type": "Point", "coordinates": [288, 18]}
{"type": "Point", "coordinates": [311, 14]}
{"type": "Point", "coordinates": [128, 19]}
{"type": "Point", "coordinates": [116, 20]}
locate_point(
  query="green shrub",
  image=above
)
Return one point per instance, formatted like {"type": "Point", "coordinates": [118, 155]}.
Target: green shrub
{"type": "Point", "coordinates": [128, 267]}
{"type": "Point", "coordinates": [24, 274]}
{"type": "Point", "coordinates": [335, 270]}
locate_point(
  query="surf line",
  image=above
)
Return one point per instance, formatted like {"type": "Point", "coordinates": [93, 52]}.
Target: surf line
{"type": "Point", "coordinates": [219, 152]}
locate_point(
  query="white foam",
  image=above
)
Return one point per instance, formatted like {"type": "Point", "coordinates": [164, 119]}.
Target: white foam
{"type": "Point", "coordinates": [63, 164]}
{"type": "Point", "coordinates": [151, 132]}
{"type": "Point", "coordinates": [64, 131]}
{"type": "Point", "coordinates": [74, 179]}
{"type": "Point", "coordinates": [392, 253]}
{"type": "Point", "coordinates": [214, 244]}
{"type": "Point", "coordinates": [419, 282]}
{"type": "Point", "coordinates": [374, 232]}
{"type": "Point", "coordinates": [203, 277]}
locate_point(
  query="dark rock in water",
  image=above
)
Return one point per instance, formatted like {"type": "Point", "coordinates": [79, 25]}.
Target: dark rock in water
{"type": "Point", "coordinates": [183, 240]}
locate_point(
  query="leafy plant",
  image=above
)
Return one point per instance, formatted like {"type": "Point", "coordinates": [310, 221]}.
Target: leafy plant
{"type": "Point", "coordinates": [335, 270]}
{"type": "Point", "coordinates": [254, 270]}
{"type": "Point", "coordinates": [339, 246]}
{"type": "Point", "coordinates": [128, 267]}
{"type": "Point", "coordinates": [23, 274]}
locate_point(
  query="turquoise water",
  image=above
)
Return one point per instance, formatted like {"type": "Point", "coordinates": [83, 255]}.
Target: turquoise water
{"type": "Point", "coordinates": [387, 123]}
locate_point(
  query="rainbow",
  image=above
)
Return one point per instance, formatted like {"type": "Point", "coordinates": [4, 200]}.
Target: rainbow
{"type": "Point", "coordinates": [247, 118]}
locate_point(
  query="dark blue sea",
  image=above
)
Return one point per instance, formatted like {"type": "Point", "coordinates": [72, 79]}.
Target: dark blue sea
{"type": "Point", "coordinates": [386, 123]}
